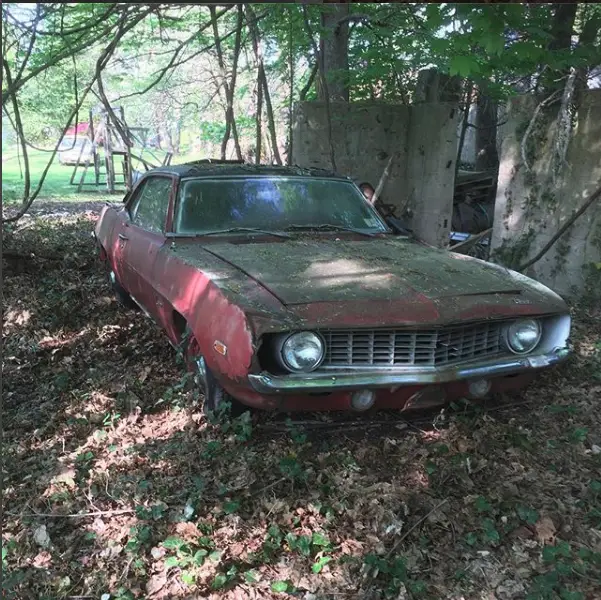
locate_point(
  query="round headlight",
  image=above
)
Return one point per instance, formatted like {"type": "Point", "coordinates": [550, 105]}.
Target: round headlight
{"type": "Point", "coordinates": [523, 336]}
{"type": "Point", "coordinates": [303, 351]}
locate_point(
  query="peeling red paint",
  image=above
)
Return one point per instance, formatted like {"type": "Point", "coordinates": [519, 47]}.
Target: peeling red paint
{"type": "Point", "coordinates": [209, 313]}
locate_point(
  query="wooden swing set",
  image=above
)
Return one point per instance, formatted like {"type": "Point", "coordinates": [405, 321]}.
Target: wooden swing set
{"type": "Point", "coordinates": [110, 163]}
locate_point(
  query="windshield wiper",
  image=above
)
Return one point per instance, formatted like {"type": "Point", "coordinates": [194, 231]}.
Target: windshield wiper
{"type": "Point", "coordinates": [327, 227]}
{"type": "Point", "coordinates": [244, 230]}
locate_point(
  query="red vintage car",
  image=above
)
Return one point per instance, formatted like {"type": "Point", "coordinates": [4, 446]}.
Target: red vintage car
{"type": "Point", "coordinates": [285, 289]}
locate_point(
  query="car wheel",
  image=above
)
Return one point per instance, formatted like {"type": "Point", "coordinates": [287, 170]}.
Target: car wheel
{"type": "Point", "coordinates": [216, 398]}
{"type": "Point", "coordinates": [121, 293]}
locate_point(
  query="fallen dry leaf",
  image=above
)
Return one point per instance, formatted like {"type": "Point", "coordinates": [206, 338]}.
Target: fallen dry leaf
{"type": "Point", "coordinates": [43, 560]}
{"type": "Point", "coordinates": [522, 532]}
{"type": "Point", "coordinates": [41, 537]}
{"type": "Point", "coordinates": [545, 530]}
{"type": "Point", "coordinates": [144, 374]}
{"type": "Point", "coordinates": [336, 485]}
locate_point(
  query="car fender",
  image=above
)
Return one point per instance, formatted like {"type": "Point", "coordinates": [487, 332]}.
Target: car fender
{"type": "Point", "coordinates": [219, 325]}
{"type": "Point", "coordinates": [105, 226]}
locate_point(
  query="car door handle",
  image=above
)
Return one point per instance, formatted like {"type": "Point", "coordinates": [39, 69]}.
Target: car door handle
{"type": "Point", "coordinates": [123, 237]}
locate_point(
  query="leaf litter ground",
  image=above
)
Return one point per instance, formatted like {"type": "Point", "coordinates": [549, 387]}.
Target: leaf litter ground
{"type": "Point", "coordinates": [116, 486]}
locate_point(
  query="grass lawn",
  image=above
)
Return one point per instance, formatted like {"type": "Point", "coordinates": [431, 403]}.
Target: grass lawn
{"type": "Point", "coordinates": [56, 185]}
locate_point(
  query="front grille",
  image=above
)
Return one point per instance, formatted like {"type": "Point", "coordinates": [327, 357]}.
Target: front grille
{"type": "Point", "coordinates": [402, 347]}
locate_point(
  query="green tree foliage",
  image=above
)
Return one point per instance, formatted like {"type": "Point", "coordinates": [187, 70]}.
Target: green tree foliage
{"type": "Point", "coordinates": [160, 62]}
{"type": "Point", "coordinates": [504, 44]}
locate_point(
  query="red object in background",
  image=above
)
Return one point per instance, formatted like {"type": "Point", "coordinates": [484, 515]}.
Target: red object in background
{"type": "Point", "coordinates": [78, 129]}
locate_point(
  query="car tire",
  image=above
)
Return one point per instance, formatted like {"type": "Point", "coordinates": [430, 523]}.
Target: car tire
{"type": "Point", "coordinates": [121, 293]}
{"type": "Point", "coordinates": [215, 396]}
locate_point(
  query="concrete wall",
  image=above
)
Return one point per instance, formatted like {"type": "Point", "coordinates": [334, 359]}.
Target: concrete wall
{"type": "Point", "coordinates": [421, 137]}
{"type": "Point", "coordinates": [531, 207]}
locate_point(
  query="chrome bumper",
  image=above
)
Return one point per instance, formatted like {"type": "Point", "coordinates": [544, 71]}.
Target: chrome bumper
{"type": "Point", "coordinates": [391, 377]}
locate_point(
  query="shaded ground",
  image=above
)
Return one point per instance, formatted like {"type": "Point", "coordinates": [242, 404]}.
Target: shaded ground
{"type": "Point", "coordinates": [115, 484]}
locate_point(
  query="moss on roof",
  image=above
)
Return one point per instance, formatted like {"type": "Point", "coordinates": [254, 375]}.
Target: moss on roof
{"type": "Point", "coordinates": [234, 168]}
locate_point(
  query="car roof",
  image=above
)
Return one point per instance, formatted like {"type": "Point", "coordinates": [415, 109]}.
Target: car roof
{"type": "Point", "coordinates": [211, 167]}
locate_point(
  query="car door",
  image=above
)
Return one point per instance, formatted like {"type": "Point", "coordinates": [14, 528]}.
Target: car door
{"type": "Point", "coordinates": [144, 235]}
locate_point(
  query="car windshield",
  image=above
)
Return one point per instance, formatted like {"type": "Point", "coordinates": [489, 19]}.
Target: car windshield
{"type": "Point", "coordinates": [273, 204]}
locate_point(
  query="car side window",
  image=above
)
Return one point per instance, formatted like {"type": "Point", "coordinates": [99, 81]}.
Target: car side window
{"type": "Point", "coordinates": [149, 208]}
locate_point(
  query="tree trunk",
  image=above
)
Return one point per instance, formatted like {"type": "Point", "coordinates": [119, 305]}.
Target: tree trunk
{"type": "Point", "coordinates": [254, 35]}
{"type": "Point", "coordinates": [465, 123]}
{"type": "Point", "coordinates": [562, 27]}
{"type": "Point", "coordinates": [487, 157]}
{"type": "Point", "coordinates": [434, 86]}
{"type": "Point", "coordinates": [291, 94]}
{"type": "Point", "coordinates": [271, 120]}
{"type": "Point", "coordinates": [237, 42]}
{"type": "Point", "coordinates": [177, 132]}
{"type": "Point", "coordinates": [229, 88]}
{"type": "Point", "coordinates": [334, 51]}
{"type": "Point", "coordinates": [236, 140]}
{"type": "Point", "coordinates": [302, 96]}
{"type": "Point", "coordinates": [262, 80]}
{"type": "Point", "coordinates": [20, 136]}
{"type": "Point", "coordinates": [259, 121]}
{"type": "Point", "coordinates": [324, 85]}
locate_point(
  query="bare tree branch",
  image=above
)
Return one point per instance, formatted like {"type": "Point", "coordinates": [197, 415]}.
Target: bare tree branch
{"type": "Point", "coordinates": [101, 64]}
{"type": "Point", "coordinates": [66, 51]}
{"type": "Point", "coordinates": [65, 32]}
{"type": "Point", "coordinates": [593, 198]}
{"type": "Point", "coordinates": [262, 79]}
{"type": "Point", "coordinates": [230, 124]}
{"type": "Point", "coordinates": [305, 89]}
{"type": "Point", "coordinates": [465, 123]}
{"type": "Point", "coordinates": [19, 131]}
{"type": "Point", "coordinates": [546, 102]}
{"type": "Point", "coordinates": [34, 146]}
{"type": "Point", "coordinates": [28, 200]}
{"type": "Point", "coordinates": [172, 62]}
{"type": "Point", "coordinates": [291, 94]}
{"type": "Point", "coordinates": [563, 126]}
{"type": "Point", "coordinates": [211, 46]}
{"type": "Point", "coordinates": [32, 40]}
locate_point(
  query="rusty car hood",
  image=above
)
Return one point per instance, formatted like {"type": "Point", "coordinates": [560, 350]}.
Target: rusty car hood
{"type": "Point", "coordinates": [309, 269]}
